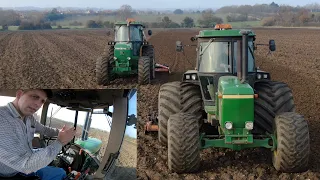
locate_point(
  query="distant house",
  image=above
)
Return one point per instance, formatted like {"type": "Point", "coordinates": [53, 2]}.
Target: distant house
{"type": "Point", "coordinates": [90, 12]}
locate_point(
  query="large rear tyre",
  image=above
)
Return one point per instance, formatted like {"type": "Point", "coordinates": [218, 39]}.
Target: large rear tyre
{"type": "Point", "coordinates": [149, 51]}
{"type": "Point", "coordinates": [274, 98]}
{"type": "Point", "coordinates": [104, 67]}
{"type": "Point", "coordinates": [144, 70]}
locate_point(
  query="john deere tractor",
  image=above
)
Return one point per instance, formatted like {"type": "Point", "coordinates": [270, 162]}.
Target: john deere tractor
{"type": "Point", "coordinates": [128, 54]}
{"type": "Point", "coordinates": [226, 102]}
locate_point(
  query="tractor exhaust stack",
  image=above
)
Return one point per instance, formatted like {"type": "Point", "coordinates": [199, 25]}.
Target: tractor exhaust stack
{"type": "Point", "coordinates": [244, 61]}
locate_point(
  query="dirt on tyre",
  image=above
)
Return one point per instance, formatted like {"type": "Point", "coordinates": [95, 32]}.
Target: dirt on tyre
{"type": "Point", "coordinates": [273, 98]}
{"type": "Point", "coordinates": [293, 148]}
{"type": "Point", "coordinates": [175, 97]}
{"type": "Point", "coordinates": [104, 68]}
{"type": "Point", "coordinates": [183, 143]}
{"type": "Point", "coordinates": [144, 76]}
{"type": "Point", "coordinates": [149, 51]}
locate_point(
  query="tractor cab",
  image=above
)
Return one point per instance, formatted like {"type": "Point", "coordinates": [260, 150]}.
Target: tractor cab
{"type": "Point", "coordinates": [220, 52]}
{"type": "Point", "coordinates": [100, 118]}
{"type": "Point", "coordinates": [130, 34]}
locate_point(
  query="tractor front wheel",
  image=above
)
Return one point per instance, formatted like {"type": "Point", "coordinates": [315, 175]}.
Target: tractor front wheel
{"type": "Point", "coordinates": [183, 143]}
{"type": "Point", "coordinates": [175, 97]}
{"type": "Point", "coordinates": [293, 148]}
{"type": "Point", "coordinates": [144, 75]}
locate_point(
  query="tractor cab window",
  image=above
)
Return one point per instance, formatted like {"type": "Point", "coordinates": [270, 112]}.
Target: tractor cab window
{"type": "Point", "coordinates": [135, 33]}
{"type": "Point", "coordinates": [58, 116]}
{"type": "Point", "coordinates": [215, 57]}
{"type": "Point", "coordinates": [122, 33]}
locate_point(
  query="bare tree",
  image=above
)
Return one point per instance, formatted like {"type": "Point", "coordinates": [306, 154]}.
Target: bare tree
{"type": "Point", "coordinates": [125, 12]}
{"type": "Point", "coordinates": [9, 17]}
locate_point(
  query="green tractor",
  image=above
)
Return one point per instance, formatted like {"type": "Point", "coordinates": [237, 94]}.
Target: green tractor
{"type": "Point", "coordinates": [227, 102]}
{"type": "Point", "coordinates": [129, 54]}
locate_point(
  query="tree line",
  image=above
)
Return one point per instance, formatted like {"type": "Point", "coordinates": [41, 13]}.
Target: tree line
{"type": "Point", "coordinates": [269, 15]}
{"type": "Point", "coordinates": [206, 21]}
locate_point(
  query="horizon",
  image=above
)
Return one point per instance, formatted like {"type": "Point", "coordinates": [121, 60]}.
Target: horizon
{"type": "Point", "coordinates": [160, 4]}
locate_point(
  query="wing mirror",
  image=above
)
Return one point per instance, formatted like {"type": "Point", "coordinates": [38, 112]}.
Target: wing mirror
{"type": "Point", "coordinates": [179, 46]}
{"type": "Point", "coordinates": [149, 32]}
{"type": "Point", "coordinates": [272, 45]}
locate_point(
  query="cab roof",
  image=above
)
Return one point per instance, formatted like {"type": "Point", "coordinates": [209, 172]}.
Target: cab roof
{"type": "Point", "coordinates": [222, 30]}
{"type": "Point", "coordinates": [129, 21]}
{"type": "Point", "coordinates": [221, 33]}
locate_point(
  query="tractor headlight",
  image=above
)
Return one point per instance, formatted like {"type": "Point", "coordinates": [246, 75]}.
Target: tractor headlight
{"type": "Point", "coordinates": [190, 76]}
{"type": "Point", "coordinates": [249, 125]}
{"type": "Point", "coordinates": [194, 76]}
{"type": "Point", "coordinates": [228, 125]}
{"type": "Point", "coordinates": [128, 58]}
{"type": "Point", "coordinates": [259, 76]}
{"type": "Point", "coordinates": [265, 76]}
{"type": "Point", "coordinates": [115, 58]}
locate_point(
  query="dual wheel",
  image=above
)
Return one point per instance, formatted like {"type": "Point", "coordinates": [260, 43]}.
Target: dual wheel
{"type": "Point", "coordinates": [180, 118]}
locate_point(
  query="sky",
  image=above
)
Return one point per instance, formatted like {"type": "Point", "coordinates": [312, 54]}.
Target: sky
{"type": "Point", "coordinates": [142, 4]}
{"type": "Point", "coordinates": [99, 121]}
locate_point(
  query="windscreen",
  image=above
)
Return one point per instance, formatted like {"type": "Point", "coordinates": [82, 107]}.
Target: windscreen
{"type": "Point", "coordinates": [215, 57]}
{"type": "Point", "coordinates": [135, 33]}
{"type": "Point", "coordinates": [122, 33]}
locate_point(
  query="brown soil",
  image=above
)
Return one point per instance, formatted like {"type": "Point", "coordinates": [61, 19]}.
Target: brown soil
{"type": "Point", "coordinates": [296, 62]}
{"type": "Point", "coordinates": [53, 59]}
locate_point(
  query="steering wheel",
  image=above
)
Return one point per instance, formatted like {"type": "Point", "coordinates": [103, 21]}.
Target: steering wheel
{"type": "Point", "coordinates": [64, 148]}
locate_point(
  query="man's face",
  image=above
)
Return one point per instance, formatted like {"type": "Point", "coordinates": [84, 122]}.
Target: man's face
{"type": "Point", "coordinates": [30, 101]}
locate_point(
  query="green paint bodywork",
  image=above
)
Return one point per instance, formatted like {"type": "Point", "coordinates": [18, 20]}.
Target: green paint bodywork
{"type": "Point", "coordinates": [220, 143]}
{"type": "Point", "coordinates": [125, 62]}
{"type": "Point", "coordinates": [222, 33]}
{"type": "Point", "coordinates": [237, 109]}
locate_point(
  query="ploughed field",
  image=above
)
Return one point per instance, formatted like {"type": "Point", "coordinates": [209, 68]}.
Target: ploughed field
{"type": "Point", "coordinates": [53, 59]}
{"type": "Point", "coordinates": [295, 62]}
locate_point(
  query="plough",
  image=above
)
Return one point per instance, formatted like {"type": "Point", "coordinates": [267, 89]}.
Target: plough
{"type": "Point", "coordinates": [161, 68]}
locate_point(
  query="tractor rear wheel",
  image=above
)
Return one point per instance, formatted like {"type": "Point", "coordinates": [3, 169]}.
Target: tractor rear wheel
{"type": "Point", "coordinates": [183, 143]}
{"type": "Point", "coordinates": [293, 148]}
{"type": "Point", "coordinates": [149, 51]}
{"type": "Point", "coordinates": [274, 98]}
{"type": "Point", "coordinates": [144, 70]}
{"type": "Point", "coordinates": [175, 97]}
{"type": "Point", "coordinates": [104, 67]}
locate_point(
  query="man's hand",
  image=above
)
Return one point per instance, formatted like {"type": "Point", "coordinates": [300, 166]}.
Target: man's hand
{"type": "Point", "coordinates": [66, 135]}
